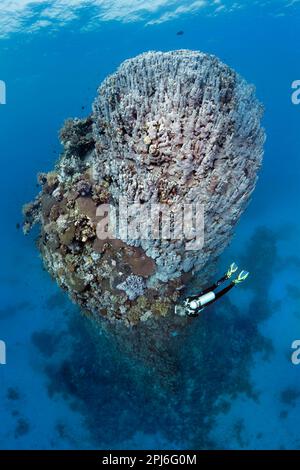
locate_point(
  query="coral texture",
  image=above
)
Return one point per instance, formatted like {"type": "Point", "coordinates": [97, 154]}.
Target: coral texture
{"type": "Point", "coordinates": [133, 286]}
{"type": "Point", "coordinates": [169, 130]}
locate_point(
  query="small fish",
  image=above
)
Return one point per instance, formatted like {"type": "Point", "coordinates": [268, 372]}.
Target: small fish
{"type": "Point", "coordinates": [18, 226]}
{"type": "Point", "coordinates": [180, 33]}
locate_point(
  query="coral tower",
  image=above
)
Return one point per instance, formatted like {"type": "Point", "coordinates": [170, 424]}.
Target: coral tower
{"type": "Point", "coordinates": [169, 128]}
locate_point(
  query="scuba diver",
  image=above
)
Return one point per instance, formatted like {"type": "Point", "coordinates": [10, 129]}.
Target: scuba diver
{"type": "Point", "coordinates": [194, 304]}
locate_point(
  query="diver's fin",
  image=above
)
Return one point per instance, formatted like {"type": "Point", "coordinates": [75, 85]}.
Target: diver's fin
{"type": "Point", "coordinates": [231, 270]}
{"type": "Point", "coordinates": [241, 277]}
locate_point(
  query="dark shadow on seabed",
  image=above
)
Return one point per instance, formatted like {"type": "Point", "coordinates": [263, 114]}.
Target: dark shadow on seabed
{"type": "Point", "coordinates": [119, 395]}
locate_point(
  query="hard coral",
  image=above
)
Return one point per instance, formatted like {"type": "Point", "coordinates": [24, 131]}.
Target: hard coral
{"type": "Point", "coordinates": [169, 128]}
{"type": "Point", "coordinates": [180, 127]}
{"type": "Point", "coordinates": [134, 286]}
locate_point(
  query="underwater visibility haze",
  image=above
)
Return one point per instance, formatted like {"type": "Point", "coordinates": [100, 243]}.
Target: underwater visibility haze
{"type": "Point", "coordinates": [114, 341]}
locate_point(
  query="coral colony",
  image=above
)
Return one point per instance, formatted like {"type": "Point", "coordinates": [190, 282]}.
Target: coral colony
{"type": "Point", "coordinates": [178, 130]}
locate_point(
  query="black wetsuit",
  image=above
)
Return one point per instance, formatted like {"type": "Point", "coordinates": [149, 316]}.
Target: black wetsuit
{"type": "Point", "coordinates": [211, 289]}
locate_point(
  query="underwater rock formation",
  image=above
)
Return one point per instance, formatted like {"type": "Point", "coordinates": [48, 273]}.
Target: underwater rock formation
{"type": "Point", "coordinates": [171, 129]}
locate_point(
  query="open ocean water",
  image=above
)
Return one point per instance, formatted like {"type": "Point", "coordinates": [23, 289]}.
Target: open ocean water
{"type": "Point", "coordinates": [53, 56]}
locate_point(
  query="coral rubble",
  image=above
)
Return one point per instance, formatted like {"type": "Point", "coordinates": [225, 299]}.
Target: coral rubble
{"type": "Point", "coordinates": [170, 129]}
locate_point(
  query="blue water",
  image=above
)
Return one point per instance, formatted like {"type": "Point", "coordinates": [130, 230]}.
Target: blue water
{"type": "Point", "coordinates": [52, 71]}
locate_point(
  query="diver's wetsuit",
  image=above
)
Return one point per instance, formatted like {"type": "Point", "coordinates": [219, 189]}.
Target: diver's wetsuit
{"type": "Point", "coordinates": [209, 289]}
{"type": "Point", "coordinates": [215, 295]}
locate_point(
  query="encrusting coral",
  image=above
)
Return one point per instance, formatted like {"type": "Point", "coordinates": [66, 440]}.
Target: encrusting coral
{"type": "Point", "coordinates": [175, 129]}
